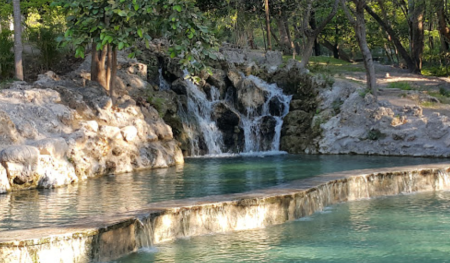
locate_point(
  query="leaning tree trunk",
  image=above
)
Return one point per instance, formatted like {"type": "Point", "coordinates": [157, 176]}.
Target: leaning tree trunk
{"type": "Point", "coordinates": [398, 44]}
{"type": "Point", "coordinates": [18, 48]}
{"type": "Point", "coordinates": [359, 25]}
{"type": "Point", "coordinates": [313, 34]}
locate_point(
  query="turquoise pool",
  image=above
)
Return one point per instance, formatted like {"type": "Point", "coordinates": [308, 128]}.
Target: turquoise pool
{"type": "Point", "coordinates": [408, 228]}
{"type": "Point", "coordinates": [197, 178]}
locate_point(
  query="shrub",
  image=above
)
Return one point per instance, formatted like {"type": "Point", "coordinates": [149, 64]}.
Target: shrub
{"type": "Point", "coordinates": [6, 54]}
{"type": "Point", "coordinates": [45, 40]}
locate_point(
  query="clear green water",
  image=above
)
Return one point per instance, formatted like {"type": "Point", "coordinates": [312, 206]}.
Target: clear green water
{"type": "Point", "coordinates": [198, 177]}
{"type": "Point", "coordinates": [410, 228]}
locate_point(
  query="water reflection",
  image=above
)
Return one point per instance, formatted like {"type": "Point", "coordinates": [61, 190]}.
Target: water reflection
{"type": "Point", "coordinates": [198, 177]}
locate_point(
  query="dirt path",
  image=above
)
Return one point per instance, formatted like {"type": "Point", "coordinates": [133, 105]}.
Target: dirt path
{"type": "Point", "coordinates": [419, 95]}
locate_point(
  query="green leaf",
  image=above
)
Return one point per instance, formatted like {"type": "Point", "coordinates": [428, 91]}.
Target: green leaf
{"type": "Point", "coordinates": [121, 45]}
{"type": "Point", "coordinates": [140, 32]}
{"type": "Point", "coordinates": [177, 8]}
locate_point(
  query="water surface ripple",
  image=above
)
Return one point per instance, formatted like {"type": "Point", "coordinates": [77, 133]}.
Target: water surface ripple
{"type": "Point", "coordinates": [197, 178]}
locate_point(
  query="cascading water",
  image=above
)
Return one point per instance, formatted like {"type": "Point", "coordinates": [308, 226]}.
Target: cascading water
{"type": "Point", "coordinates": [260, 122]}
{"type": "Point", "coordinates": [197, 120]}
{"type": "Point", "coordinates": [163, 85]}
{"type": "Point", "coordinates": [275, 108]}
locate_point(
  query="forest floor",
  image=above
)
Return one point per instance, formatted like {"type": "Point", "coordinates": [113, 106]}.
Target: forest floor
{"type": "Point", "coordinates": [402, 88]}
{"type": "Point", "coordinates": [395, 85]}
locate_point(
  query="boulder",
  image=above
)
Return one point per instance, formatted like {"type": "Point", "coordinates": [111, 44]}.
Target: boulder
{"type": "Point", "coordinates": [273, 58]}
{"type": "Point", "coordinates": [225, 117]}
{"type": "Point", "coordinates": [436, 127]}
{"type": "Point", "coordinates": [129, 133]}
{"type": "Point", "coordinates": [235, 77]}
{"type": "Point", "coordinates": [180, 87]}
{"type": "Point", "coordinates": [267, 132]}
{"type": "Point", "coordinates": [250, 97]}
{"type": "Point", "coordinates": [8, 131]}
{"type": "Point", "coordinates": [276, 107]}
{"type": "Point", "coordinates": [55, 147]}
{"type": "Point", "coordinates": [217, 79]}
{"type": "Point", "coordinates": [21, 164]}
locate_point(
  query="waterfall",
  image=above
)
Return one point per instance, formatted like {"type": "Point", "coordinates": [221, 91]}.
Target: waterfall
{"type": "Point", "coordinates": [252, 124]}
{"type": "Point", "coordinates": [163, 85]}
{"type": "Point", "coordinates": [260, 121]}
{"type": "Point", "coordinates": [197, 120]}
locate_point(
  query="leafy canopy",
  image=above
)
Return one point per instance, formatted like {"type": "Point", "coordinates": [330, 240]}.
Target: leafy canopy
{"type": "Point", "coordinates": [123, 23]}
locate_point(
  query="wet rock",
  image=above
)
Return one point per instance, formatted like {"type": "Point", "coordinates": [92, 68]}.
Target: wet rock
{"type": "Point", "coordinates": [267, 132]}
{"type": "Point", "coordinates": [21, 164]}
{"type": "Point", "coordinates": [217, 79]}
{"type": "Point", "coordinates": [180, 87]}
{"type": "Point", "coordinates": [276, 107]}
{"type": "Point", "coordinates": [235, 77]}
{"type": "Point", "coordinates": [250, 97]}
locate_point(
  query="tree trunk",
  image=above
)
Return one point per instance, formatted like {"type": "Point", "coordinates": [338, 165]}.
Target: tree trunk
{"type": "Point", "coordinates": [360, 30]}
{"type": "Point", "coordinates": [18, 48]}
{"type": "Point", "coordinates": [284, 39]}
{"type": "Point", "coordinates": [313, 34]}
{"type": "Point", "coordinates": [307, 52]}
{"type": "Point", "coordinates": [264, 36]}
{"type": "Point", "coordinates": [417, 34]}
{"type": "Point", "coordinates": [443, 28]}
{"type": "Point", "coordinates": [113, 74]}
{"type": "Point", "coordinates": [340, 54]}
{"type": "Point", "coordinates": [98, 66]}
{"type": "Point", "coordinates": [269, 41]}
{"type": "Point", "coordinates": [313, 24]}
{"type": "Point", "coordinates": [403, 53]}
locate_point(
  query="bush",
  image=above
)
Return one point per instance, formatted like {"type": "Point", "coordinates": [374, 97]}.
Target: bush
{"type": "Point", "coordinates": [45, 39]}
{"type": "Point", "coordinates": [6, 54]}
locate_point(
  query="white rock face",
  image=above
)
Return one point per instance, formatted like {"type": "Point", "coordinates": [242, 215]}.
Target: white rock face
{"type": "Point", "coordinates": [59, 133]}
{"type": "Point", "coordinates": [358, 124]}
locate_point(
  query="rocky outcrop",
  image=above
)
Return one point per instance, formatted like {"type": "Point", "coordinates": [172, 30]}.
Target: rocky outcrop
{"type": "Point", "coordinates": [353, 122]}
{"type": "Point", "coordinates": [58, 131]}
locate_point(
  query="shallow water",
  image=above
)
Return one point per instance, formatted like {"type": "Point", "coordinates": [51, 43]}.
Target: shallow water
{"type": "Point", "coordinates": [409, 228]}
{"type": "Point", "coordinates": [198, 177]}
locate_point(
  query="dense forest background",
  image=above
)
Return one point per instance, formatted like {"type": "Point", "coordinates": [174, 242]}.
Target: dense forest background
{"type": "Point", "coordinates": [412, 34]}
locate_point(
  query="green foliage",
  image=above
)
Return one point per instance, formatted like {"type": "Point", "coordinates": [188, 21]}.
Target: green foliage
{"type": "Point", "coordinates": [158, 104]}
{"type": "Point", "coordinates": [436, 71]}
{"type": "Point", "coordinates": [375, 135]}
{"type": "Point", "coordinates": [400, 85]}
{"type": "Point", "coordinates": [6, 56]}
{"type": "Point", "coordinates": [122, 23]}
{"type": "Point", "coordinates": [45, 40]}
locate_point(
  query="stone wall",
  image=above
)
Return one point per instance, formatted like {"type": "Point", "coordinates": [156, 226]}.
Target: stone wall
{"type": "Point", "coordinates": [105, 239]}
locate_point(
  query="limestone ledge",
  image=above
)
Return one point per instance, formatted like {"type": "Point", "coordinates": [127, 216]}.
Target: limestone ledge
{"type": "Point", "coordinates": [56, 132]}
{"type": "Point", "coordinates": [110, 237]}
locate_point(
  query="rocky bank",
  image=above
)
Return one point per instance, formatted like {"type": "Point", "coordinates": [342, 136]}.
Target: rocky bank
{"type": "Point", "coordinates": [61, 130]}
